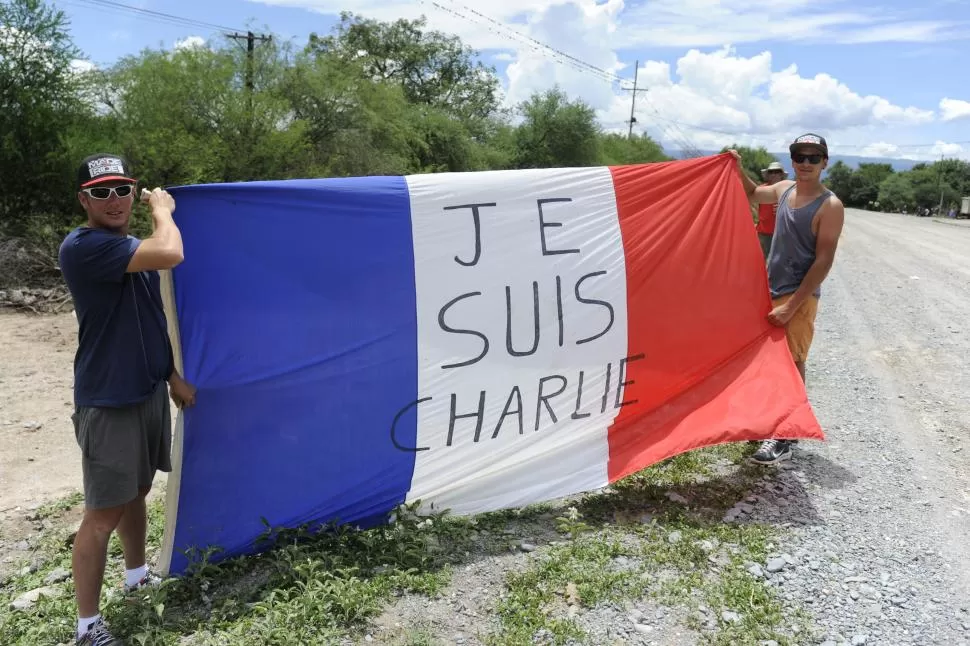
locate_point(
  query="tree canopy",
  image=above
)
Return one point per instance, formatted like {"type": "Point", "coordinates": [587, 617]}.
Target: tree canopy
{"type": "Point", "coordinates": [368, 98]}
{"type": "Point", "coordinates": [880, 187]}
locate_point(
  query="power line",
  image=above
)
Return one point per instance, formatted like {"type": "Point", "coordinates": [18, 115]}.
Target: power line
{"type": "Point", "coordinates": [531, 43]}
{"type": "Point", "coordinates": [577, 61]}
{"type": "Point", "coordinates": [157, 15]}
{"type": "Point", "coordinates": [548, 51]}
{"type": "Point", "coordinates": [562, 57]}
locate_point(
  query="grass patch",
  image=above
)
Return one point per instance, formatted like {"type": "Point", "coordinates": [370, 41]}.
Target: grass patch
{"type": "Point", "coordinates": [59, 506]}
{"type": "Point", "coordinates": [305, 590]}
{"type": "Point", "coordinates": [578, 571]}
{"type": "Point", "coordinates": [657, 534]}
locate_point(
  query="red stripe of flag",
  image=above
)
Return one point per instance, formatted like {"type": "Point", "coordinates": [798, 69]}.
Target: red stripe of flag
{"type": "Point", "coordinates": [713, 369]}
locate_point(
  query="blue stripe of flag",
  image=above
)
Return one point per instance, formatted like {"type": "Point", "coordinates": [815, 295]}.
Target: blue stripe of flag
{"type": "Point", "coordinates": [296, 306]}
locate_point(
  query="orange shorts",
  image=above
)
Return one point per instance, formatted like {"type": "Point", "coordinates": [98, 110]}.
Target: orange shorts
{"type": "Point", "coordinates": [801, 328]}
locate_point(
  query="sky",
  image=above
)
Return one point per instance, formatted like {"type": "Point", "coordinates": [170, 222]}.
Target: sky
{"type": "Point", "coordinates": [879, 78]}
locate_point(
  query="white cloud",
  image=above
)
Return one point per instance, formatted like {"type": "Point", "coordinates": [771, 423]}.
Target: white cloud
{"type": "Point", "coordinates": [824, 102]}
{"type": "Point", "coordinates": [706, 95]}
{"type": "Point", "coordinates": [582, 29]}
{"type": "Point", "coordinates": [19, 44]}
{"type": "Point", "coordinates": [711, 23]}
{"type": "Point", "coordinates": [931, 153]}
{"type": "Point", "coordinates": [952, 109]}
{"type": "Point", "coordinates": [929, 31]}
{"type": "Point", "coordinates": [665, 23]}
{"type": "Point", "coordinates": [944, 149]}
{"type": "Point", "coordinates": [720, 97]}
{"type": "Point", "coordinates": [191, 42]}
{"type": "Point", "coordinates": [454, 17]}
{"type": "Point", "coordinates": [882, 149]}
{"type": "Point", "coordinates": [80, 66]}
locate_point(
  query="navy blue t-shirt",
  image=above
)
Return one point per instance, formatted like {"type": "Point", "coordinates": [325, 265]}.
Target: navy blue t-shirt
{"type": "Point", "coordinates": [123, 346]}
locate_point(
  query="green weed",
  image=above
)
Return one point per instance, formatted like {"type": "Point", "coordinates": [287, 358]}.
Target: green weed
{"type": "Point", "coordinates": [657, 534]}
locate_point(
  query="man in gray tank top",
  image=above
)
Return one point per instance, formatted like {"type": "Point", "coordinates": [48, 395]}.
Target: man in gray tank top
{"type": "Point", "coordinates": [807, 228]}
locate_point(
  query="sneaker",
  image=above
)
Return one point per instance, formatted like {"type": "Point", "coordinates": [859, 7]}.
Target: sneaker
{"type": "Point", "coordinates": [98, 635]}
{"type": "Point", "coordinates": [150, 580]}
{"type": "Point", "coordinates": [772, 451]}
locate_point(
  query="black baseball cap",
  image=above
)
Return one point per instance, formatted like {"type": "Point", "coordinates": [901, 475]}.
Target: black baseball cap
{"type": "Point", "coordinates": [810, 140]}
{"type": "Point", "coordinates": [103, 167]}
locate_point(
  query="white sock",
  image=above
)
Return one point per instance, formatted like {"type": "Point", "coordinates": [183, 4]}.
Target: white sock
{"type": "Point", "coordinates": [134, 576]}
{"type": "Point", "coordinates": [84, 623]}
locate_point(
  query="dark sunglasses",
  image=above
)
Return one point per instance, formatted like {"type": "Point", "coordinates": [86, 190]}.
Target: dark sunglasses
{"type": "Point", "coordinates": [800, 158]}
{"type": "Point", "coordinates": [103, 193]}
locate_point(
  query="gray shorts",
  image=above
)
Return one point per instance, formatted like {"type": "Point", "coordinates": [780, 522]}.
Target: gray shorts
{"type": "Point", "coordinates": [122, 448]}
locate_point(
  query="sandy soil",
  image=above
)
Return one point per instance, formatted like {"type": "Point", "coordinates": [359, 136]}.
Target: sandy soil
{"type": "Point", "coordinates": [39, 456]}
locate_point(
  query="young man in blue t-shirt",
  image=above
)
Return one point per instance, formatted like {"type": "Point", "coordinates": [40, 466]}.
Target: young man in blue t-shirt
{"type": "Point", "coordinates": [124, 357]}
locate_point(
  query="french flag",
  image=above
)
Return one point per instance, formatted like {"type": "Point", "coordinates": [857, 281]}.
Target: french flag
{"type": "Point", "coordinates": [475, 341]}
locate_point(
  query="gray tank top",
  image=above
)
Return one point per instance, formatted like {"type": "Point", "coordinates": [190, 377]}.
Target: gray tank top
{"type": "Point", "coordinates": [793, 244]}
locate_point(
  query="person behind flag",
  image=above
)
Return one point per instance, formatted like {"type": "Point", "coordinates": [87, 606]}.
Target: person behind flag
{"type": "Point", "coordinates": [766, 212]}
{"type": "Point", "coordinates": [808, 225]}
{"type": "Point", "coordinates": [121, 413]}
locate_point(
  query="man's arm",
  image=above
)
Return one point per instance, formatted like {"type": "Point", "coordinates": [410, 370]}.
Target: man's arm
{"type": "Point", "coordinates": [826, 242]}
{"type": "Point", "coordinates": [181, 391]}
{"type": "Point", "coordinates": [163, 249]}
{"type": "Point", "coordinates": [772, 194]}
{"type": "Point", "coordinates": [759, 194]}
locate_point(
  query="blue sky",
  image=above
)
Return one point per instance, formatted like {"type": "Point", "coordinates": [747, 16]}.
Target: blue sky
{"type": "Point", "coordinates": [876, 77]}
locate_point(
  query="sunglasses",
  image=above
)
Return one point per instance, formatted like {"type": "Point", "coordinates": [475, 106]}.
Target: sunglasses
{"type": "Point", "coordinates": [103, 193]}
{"type": "Point", "coordinates": [800, 158]}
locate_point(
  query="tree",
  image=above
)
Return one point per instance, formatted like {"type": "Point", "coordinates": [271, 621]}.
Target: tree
{"type": "Point", "coordinates": [838, 179]}
{"type": "Point", "coordinates": [896, 193]}
{"type": "Point", "coordinates": [351, 125]}
{"type": "Point", "coordinates": [956, 173]}
{"type": "Point", "coordinates": [866, 180]}
{"type": "Point", "coordinates": [183, 116]}
{"type": "Point", "coordinates": [38, 99]}
{"type": "Point", "coordinates": [753, 160]}
{"type": "Point", "coordinates": [371, 98]}
{"type": "Point", "coordinates": [432, 68]}
{"type": "Point", "coordinates": [879, 186]}
{"type": "Point", "coordinates": [556, 132]}
{"type": "Point", "coordinates": [618, 149]}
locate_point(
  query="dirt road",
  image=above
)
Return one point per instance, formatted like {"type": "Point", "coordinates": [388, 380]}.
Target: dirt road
{"type": "Point", "coordinates": [38, 452]}
{"type": "Point", "coordinates": [885, 507]}
{"type": "Point", "coordinates": [881, 512]}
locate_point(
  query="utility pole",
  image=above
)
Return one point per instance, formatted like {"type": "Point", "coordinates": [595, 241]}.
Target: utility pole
{"type": "Point", "coordinates": [633, 102]}
{"type": "Point", "coordinates": [250, 39]}
{"type": "Point", "coordinates": [939, 185]}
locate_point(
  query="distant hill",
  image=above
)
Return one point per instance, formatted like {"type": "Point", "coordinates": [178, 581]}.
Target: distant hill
{"type": "Point", "coordinates": [854, 161]}
{"type": "Point", "coordinates": [850, 160]}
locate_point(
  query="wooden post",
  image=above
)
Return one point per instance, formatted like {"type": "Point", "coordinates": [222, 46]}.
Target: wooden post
{"type": "Point", "coordinates": [174, 482]}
